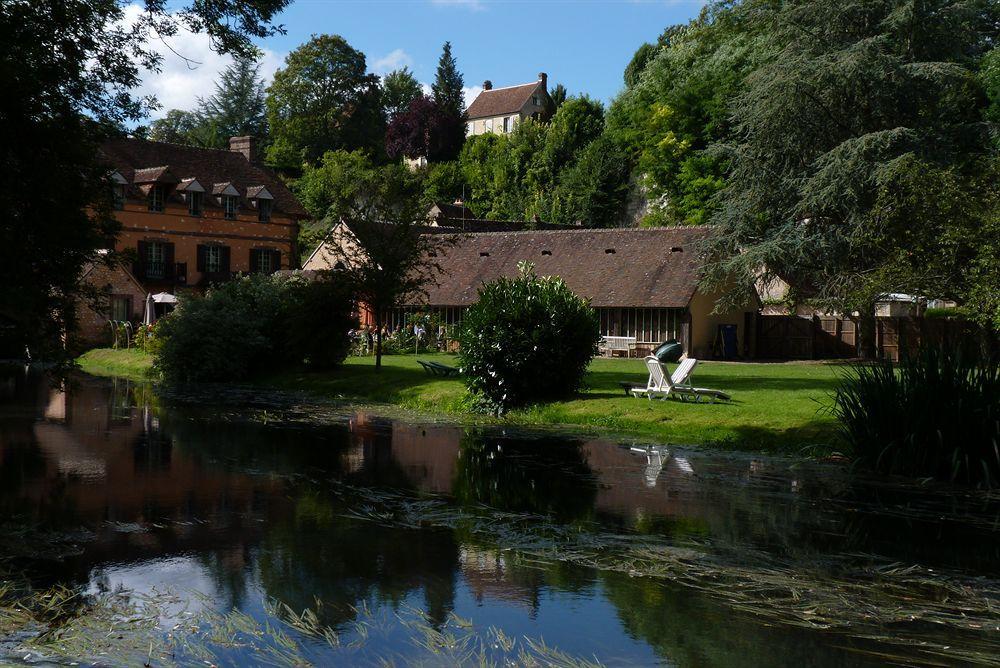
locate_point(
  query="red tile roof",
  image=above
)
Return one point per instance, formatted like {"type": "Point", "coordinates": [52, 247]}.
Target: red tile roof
{"type": "Point", "coordinates": [621, 267]}
{"type": "Point", "coordinates": [500, 101]}
{"type": "Point", "coordinates": [131, 157]}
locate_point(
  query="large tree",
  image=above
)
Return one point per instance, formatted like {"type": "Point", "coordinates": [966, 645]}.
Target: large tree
{"type": "Point", "coordinates": [237, 107]}
{"type": "Point", "coordinates": [449, 97]}
{"type": "Point", "coordinates": [857, 149]}
{"type": "Point", "coordinates": [68, 72]}
{"type": "Point", "coordinates": [323, 99]}
{"type": "Point", "coordinates": [399, 89]}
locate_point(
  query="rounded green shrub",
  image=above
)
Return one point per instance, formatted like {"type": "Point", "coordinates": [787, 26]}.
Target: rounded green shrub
{"type": "Point", "coordinates": [254, 325]}
{"type": "Point", "coordinates": [527, 339]}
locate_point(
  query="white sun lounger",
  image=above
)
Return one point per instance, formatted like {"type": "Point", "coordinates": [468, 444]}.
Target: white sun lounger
{"type": "Point", "coordinates": [662, 386]}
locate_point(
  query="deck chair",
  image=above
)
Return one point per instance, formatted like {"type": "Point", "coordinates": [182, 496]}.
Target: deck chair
{"type": "Point", "coordinates": [662, 386]}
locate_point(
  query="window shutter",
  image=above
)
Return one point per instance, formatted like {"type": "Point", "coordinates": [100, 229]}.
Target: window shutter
{"type": "Point", "coordinates": [201, 258]}
{"type": "Point", "coordinates": [275, 260]}
{"type": "Point", "coordinates": [254, 260]}
{"type": "Point", "coordinates": [224, 259]}
{"type": "Point", "coordinates": [139, 267]}
{"type": "Point", "coordinates": [168, 261]}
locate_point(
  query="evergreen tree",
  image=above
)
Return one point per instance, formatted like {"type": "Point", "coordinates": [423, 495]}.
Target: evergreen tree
{"type": "Point", "coordinates": [557, 96]}
{"type": "Point", "coordinates": [399, 89]}
{"type": "Point", "coordinates": [448, 84]}
{"type": "Point", "coordinates": [237, 107]}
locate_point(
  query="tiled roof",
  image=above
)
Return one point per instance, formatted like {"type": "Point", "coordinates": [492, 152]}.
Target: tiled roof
{"type": "Point", "coordinates": [621, 267]}
{"type": "Point", "coordinates": [500, 101]}
{"type": "Point", "coordinates": [136, 156]}
{"type": "Point", "coordinates": [453, 210]}
{"type": "Point", "coordinates": [160, 174]}
{"type": "Point", "coordinates": [483, 225]}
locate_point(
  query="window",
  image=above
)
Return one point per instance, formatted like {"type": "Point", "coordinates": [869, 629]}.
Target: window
{"type": "Point", "coordinates": [263, 210]}
{"type": "Point", "coordinates": [213, 259]}
{"type": "Point", "coordinates": [264, 262]}
{"type": "Point", "coordinates": [155, 261]}
{"type": "Point", "coordinates": [121, 307]}
{"type": "Point", "coordinates": [118, 195]}
{"type": "Point", "coordinates": [231, 206]}
{"type": "Point", "coordinates": [156, 198]}
{"type": "Point", "coordinates": [488, 125]}
{"type": "Point", "coordinates": [506, 123]}
{"type": "Point", "coordinates": [194, 203]}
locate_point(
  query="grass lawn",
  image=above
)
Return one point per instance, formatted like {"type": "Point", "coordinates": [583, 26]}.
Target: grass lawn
{"type": "Point", "coordinates": [776, 407]}
{"type": "Point", "coordinates": [132, 363]}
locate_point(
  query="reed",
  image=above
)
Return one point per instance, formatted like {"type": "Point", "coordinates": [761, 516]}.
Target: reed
{"type": "Point", "coordinates": [933, 415]}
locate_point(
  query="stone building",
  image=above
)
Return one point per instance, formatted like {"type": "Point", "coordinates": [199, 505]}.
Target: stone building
{"type": "Point", "coordinates": [499, 110]}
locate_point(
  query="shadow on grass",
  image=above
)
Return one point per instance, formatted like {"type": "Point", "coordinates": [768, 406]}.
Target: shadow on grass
{"type": "Point", "coordinates": [610, 379]}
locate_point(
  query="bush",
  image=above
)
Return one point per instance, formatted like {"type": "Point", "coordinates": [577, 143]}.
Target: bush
{"type": "Point", "coordinates": [527, 339]}
{"type": "Point", "coordinates": [254, 325]}
{"type": "Point", "coordinates": [936, 414]}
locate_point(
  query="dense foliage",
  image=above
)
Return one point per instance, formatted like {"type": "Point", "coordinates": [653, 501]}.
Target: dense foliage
{"type": "Point", "coordinates": [424, 129]}
{"type": "Point", "coordinates": [934, 415]}
{"type": "Point", "coordinates": [527, 339]}
{"type": "Point", "coordinates": [323, 99]}
{"type": "Point", "coordinates": [68, 71]}
{"type": "Point", "coordinates": [399, 89]}
{"type": "Point", "coordinates": [253, 325]}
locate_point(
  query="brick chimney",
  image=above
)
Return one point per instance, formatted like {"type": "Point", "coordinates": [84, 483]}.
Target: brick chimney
{"type": "Point", "coordinates": [245, 145]}
{"type": "Point", "coordinates": [487, 85]}
{"type": "Point", "coordinates": [544, 78]}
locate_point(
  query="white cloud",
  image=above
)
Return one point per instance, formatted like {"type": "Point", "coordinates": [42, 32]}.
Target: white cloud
{"type": "Point", "coordinates": [471, 5]}
{"type": "Point", "coordinates": [181, 82]}
{"type": "Point", "coordinates": [392, 61]}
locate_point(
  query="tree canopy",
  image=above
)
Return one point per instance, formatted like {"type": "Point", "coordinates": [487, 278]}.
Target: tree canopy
{"type": "Point", "coordinates": [323, 99]}
{"type": "Point", "coordinates": [399, 89]}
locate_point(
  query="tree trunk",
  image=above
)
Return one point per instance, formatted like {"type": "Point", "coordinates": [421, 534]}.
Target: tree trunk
{"type": "Point", "coordinates": [378, 340]}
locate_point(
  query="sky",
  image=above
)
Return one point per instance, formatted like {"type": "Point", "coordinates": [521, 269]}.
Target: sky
{"type": "Point", "coordinates": [584, 45]}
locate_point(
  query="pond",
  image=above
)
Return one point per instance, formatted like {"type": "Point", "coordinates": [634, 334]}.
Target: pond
{"type": "Point", "coordinates": [232, 526]}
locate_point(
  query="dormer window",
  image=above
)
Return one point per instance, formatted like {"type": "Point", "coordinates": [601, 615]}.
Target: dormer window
{"type": "Point", "coordinates": [155, 200]}
{"type": "Point", "coordinates": [231, 206]}
{"type": "Point", "coordinates": [261, 199]}
{"type": "Point", "coordinates": [194, 203]}
{"type": "Point", "coordinates": [118, 183]}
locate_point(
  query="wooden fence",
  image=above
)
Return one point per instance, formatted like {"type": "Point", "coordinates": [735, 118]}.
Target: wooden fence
{"type": "Point", "coordinates": [798, 338]}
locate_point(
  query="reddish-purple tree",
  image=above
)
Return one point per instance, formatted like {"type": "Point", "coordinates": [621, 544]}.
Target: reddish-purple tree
{"type": "Point", "coordinates": [425, 129]}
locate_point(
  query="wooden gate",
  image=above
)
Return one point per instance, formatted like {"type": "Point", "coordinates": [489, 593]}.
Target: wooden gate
{"type": "Point", "coordinates": [784, 337]}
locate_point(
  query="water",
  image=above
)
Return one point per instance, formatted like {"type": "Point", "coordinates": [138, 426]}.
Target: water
{"type": "Point", "coordinates": [179, 526]}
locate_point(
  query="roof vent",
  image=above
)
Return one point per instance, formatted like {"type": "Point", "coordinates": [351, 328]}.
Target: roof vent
{"type": "Point", "coordinates": [609, 251]}
{"type": "Point", "coordinates": [483, 254]}
{"type": "Point", "coordinates": [546, 252]}
{"type": "Point", "coordinates": [676, 249]}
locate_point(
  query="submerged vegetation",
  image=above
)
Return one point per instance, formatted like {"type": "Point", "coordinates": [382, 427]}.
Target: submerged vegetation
{"type": "Point", "coordinates": [935, 414]}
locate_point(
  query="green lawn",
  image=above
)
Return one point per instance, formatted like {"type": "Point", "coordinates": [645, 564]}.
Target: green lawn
{"type": "Point", "coordinates": [132, 363]}
{"type": "Point", "coordinates": [777, 407]}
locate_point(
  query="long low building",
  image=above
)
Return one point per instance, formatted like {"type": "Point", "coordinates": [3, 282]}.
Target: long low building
{"type": "Point", "coordinates": [644, 282]}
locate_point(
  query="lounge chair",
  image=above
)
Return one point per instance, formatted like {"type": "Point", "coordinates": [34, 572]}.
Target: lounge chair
{"type": "Point", "coordinates": [437, 369]}
{"type": "Point", "coordinates": [679, 385]}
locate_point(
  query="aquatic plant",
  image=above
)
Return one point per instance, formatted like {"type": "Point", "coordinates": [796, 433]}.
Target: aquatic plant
{"type": "Point", "coordinates": [935, 414]}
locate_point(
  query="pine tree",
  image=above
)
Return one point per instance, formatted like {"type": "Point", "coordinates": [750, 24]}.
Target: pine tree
{"type": "Point", "coordinates": [237, 107]}
{"type": "Point", "coordinates": [448, 83]}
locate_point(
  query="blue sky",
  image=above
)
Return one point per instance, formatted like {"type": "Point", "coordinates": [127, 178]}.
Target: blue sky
{"type": "Point", "coordinates": [584, 45]}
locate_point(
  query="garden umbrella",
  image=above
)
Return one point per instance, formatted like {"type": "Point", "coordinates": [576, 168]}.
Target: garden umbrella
{"type": "Point", "coordinates": [150, 314]}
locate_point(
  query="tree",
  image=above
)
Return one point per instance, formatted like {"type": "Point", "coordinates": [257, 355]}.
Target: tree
{"type": "Point", "coordinates": [323, 100]}
{"type": "Point", "coordinates": [399, 89]}
{"type": "Point", "coordinates": [855, 149]}
{"type": "Point", "coordinates": [634, 69]}
{"type": "Point", "coordinates": [448, 84]}
{"type": "Point", "coordinates": [176, 127]}
{"type": "Point", "coordinates": [593, 192]}
{"type": "Point", "coordinates": [393, 258]}
{"type": "Point", "coordinates": [556, 98]}
{"type": "Point", "coordinates": [68, 73]}
{"type": "Point", "coordinates": [579, 121]}
{"type": "Point", "coordinates": [237, 108]}
{"type": "Point", "coordinates": [424, 129]}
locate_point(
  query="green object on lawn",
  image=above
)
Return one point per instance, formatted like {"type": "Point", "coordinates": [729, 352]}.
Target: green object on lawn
{"type": "Point", "coordinates": [438, 369]}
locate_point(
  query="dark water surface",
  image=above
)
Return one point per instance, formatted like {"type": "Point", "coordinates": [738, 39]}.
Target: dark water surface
{"type": "Point", "coordinates": [239, 528]}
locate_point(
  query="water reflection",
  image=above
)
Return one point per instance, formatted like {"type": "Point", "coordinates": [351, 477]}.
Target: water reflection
{"type": "Point", "coordinates": [104, 486]}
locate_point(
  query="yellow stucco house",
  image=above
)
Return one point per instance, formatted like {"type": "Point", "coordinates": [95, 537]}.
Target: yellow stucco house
{"type": "Point", "coordinates": [499, 110]}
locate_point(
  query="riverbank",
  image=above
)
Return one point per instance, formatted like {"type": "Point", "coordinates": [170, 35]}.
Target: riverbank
{"type": "Point", "coordinates": [776, 407]}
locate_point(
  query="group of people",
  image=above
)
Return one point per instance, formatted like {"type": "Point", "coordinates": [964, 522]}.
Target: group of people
{"type": "Point", "coordinates": [364, 337]}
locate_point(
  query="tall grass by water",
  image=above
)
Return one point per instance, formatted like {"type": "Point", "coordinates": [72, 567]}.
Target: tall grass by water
{"type": "Point", "coordinates": [935, 414]}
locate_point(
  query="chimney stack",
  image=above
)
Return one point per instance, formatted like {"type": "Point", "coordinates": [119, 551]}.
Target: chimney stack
{"type": "Point", "coordinates": [245, 145]}
{"type": "Point", "coordinates": [487, 85]}
{"type": "Point", "coordinates": [544, 78]}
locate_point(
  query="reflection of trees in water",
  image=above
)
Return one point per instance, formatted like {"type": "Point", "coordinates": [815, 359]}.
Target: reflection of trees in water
{"type": "Point", "coordinates": [318, 553]}
{"type": "Point", "coordinates": [544, 476]}
{"type": "Point", "coordinates": [688, 629]}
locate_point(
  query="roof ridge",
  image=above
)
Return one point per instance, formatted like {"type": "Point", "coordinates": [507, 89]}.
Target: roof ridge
{"type": "Point", "coordinates": [530, 83]}
{"type": "Point", "coordinates": [589, 229]}
{"type": "Point", "coordinates": [177, 145]}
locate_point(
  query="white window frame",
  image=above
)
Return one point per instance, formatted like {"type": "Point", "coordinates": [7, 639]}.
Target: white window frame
{"type": "Point", "coordinates": [195, 203]}
{"type": "Point", "coordinates": [264, 262]}
{"type": "Point", "coordinates": [264, 210]}
{"type": "Point", "coordinates": [156, 258]}
{"type": "Point", "coordinates": [213, 259]}
{"type": "Point", "coordinates": [507, 123]}
{"type": "Point", "coordinates": [230, 206]}
{"type": "Point", "coordinates": [156, 198]}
